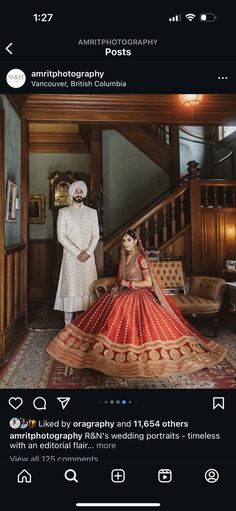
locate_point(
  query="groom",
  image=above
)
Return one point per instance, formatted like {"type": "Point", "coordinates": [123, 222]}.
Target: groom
{"type": "Point", "coordinates": [78, 233]}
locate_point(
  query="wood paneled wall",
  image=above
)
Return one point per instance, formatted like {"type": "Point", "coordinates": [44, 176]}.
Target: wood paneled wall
{"type": "Point", "coordinates": [181, 247]}
{"type": "Point", "coordinates": [15, 295]}
{"type": "Point", "coordinates": [40, 268]}
{"type": "Point", "coordinates": [218, 239]}
{"type": "Point", "coordinates": [213, 223]}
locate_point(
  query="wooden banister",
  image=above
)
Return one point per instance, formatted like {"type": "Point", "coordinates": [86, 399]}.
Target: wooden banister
{"type": "Point", "coordinates": [172, 217]}
{"type": "Point", "coordinates": [217, 182]}
{"type": "Point", "coordinates": [134, 225]}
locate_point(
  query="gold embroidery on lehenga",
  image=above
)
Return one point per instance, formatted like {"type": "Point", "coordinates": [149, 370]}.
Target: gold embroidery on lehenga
{"type": "Point", "coordinates": [164, 353]}
{"type": "Point", "coordinates": [63, 335]}
{"type": "Point", "coordinates": [157, 368]}
{"type": "Point", "coordinates": [120, 357]}
{"type": "Point", "coordinates": [143, 357]}
{"type": "Point", "coordinates": [71, 342]}
{"type": "Point", "coordinates": [98, 347]}
{"type": "Point", "coordinates": [131, 357]}
{"type": "Point", "coordinates": [84, 346]}
{"type": "Point", "coordinates": [109, 354]}
{"type": "Point", "coordinates": [175, 354]}
{"type": "Point", "coordinates": [154, 355]}
{"type": "Point", "coordinates": [185, 350]}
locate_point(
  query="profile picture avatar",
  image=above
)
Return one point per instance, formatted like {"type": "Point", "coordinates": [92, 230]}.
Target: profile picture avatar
{"type": "Point", "coordinates": [16, 78]}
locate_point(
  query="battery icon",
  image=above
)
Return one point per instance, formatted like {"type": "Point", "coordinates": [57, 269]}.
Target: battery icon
{"type": "Point", "coordinates": [208, 16]}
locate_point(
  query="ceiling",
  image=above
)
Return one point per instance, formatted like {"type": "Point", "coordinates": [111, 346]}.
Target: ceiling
{"type": "Point", "coordinates": [128, 108]}
{"type": "Point", "coordinates": [66, 122]}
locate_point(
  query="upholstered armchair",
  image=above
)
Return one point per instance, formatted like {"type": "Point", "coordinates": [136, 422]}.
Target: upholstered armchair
{"type": "Point", "coordinates": [204, 297]}
{"type": "Point", "coordinates": [102, 285]}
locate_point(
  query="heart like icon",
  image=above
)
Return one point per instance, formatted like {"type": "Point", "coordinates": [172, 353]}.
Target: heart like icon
{"type": "Point", "coordinates": [15, 402]}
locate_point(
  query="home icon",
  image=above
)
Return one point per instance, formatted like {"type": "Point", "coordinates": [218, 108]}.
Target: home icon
{"type": "Point", "coordinates": [24, 477]}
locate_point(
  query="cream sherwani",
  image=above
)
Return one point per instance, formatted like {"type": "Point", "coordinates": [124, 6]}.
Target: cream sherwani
{"type": "Point", "coordinates": [77, 230]}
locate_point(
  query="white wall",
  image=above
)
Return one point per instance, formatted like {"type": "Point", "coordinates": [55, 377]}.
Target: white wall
{"type": "Point", "coordinates": [130, 180]}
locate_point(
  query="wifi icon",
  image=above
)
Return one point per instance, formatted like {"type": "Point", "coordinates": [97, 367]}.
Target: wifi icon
{"type": "Point", "coordinates": [190, 16]}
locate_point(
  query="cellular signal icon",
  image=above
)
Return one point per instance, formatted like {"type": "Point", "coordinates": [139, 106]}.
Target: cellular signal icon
{"type": "Point", "coordinates": [190, 16]}
{"type": "Point", "coordinates": [177, 17]}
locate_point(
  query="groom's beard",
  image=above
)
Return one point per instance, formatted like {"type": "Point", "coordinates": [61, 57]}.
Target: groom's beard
{"type": "Point", "coordinates": [78, 200]}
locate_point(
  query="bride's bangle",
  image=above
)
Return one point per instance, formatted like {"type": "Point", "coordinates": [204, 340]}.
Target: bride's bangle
{"type": "Point", "coordinates": [131, 284]}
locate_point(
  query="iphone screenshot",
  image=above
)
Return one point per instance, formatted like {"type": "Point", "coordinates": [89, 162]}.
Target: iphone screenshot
{"type": "Point", "coordinates": [117, 257]}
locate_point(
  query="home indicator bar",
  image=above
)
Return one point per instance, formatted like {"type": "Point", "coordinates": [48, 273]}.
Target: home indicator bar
{"type": "Point", "coordinates": [118, 504]}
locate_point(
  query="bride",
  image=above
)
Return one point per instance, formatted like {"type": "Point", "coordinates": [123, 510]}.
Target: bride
{"type": "Point", "coordinates": [135, 329]}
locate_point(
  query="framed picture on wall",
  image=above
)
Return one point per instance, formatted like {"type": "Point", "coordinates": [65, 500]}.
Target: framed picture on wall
{"type": "Point", "coordinates": [11, 202]}
{"type": "Point", "coordinates": [230, 265]}
{"type": "Point", "coordinates": [37, 209]}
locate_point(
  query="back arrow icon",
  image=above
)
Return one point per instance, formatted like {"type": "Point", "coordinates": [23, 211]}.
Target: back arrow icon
{"type": "Point", "coordinates": [7, 48]}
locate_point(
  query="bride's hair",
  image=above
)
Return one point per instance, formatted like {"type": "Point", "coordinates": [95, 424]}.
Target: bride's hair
{"type": "Point", "coordinates": [132, 233]}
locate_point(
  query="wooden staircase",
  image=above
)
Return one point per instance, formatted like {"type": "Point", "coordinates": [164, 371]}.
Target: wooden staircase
{"type": "Point", "coordinates": [194, 221]}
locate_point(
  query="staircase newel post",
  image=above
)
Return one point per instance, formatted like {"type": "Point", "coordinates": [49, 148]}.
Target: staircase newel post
{"type": "Point", "coordinates": [96, 192]}
{"type": "Point", "coordinates": [195, 217]}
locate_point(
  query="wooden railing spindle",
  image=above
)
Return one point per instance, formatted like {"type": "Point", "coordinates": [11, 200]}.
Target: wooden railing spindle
{"type": "Point", "coordinates": [147, 244]}
{"type": "Point", "coordinates": [206, 198]}
{"type": "Point", "coordinates": [182, 215]}
{"type": "Point", "coordinates": [155, 216]}
{"type": "Point", "coordinates": [173, 219]}
{"type": "Point", "coordinates": [164, 228]}
{"type": "Point", "coordinates": [225, 203]}
{"type": "Point", "coordinates": [233, 196]}
{"type": "Point", "coordinates": [216, 204]}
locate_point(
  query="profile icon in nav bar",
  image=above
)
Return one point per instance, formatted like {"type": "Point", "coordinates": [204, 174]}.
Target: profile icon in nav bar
{"type": "Point", "coordinates": [218, 402]}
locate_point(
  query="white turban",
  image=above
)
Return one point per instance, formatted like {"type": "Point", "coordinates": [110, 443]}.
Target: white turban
{"type": "Point", "coordinates": [74, 186]}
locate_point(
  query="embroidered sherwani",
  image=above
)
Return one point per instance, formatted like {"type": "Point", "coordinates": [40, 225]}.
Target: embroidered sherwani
{"type": "Point", "coordinates": [136, 332]}
{"type": "Point", "coordinates": [77, 230]}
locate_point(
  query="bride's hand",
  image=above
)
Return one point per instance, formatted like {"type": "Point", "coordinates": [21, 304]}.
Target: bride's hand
{"type": "Point", "coordinates": [124, 283]}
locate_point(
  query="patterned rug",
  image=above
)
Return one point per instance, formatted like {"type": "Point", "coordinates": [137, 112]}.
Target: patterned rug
{"type": "Point", "coordinates": [30, 367]}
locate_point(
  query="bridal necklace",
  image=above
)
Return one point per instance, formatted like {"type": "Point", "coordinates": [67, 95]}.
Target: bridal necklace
{"type": "Point", "coordinates": [130, 256]}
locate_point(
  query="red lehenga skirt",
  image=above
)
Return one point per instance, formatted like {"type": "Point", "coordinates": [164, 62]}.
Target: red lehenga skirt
{"type": "Point", "coordinates": [131, 335]}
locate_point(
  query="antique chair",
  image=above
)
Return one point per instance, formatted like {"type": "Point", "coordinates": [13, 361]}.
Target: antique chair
{"type": "Point", "coordinates": [170, 272]}
{"type": "Point", "coordinates": [203, 299]}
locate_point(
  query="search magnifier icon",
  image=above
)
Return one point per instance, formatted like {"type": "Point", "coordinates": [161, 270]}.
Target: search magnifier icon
{"type": "Point", "coordinates": [70, 475]}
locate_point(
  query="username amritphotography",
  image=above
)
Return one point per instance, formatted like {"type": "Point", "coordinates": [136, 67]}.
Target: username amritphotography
{"type": "Point", "coordinates": [91, 79]}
